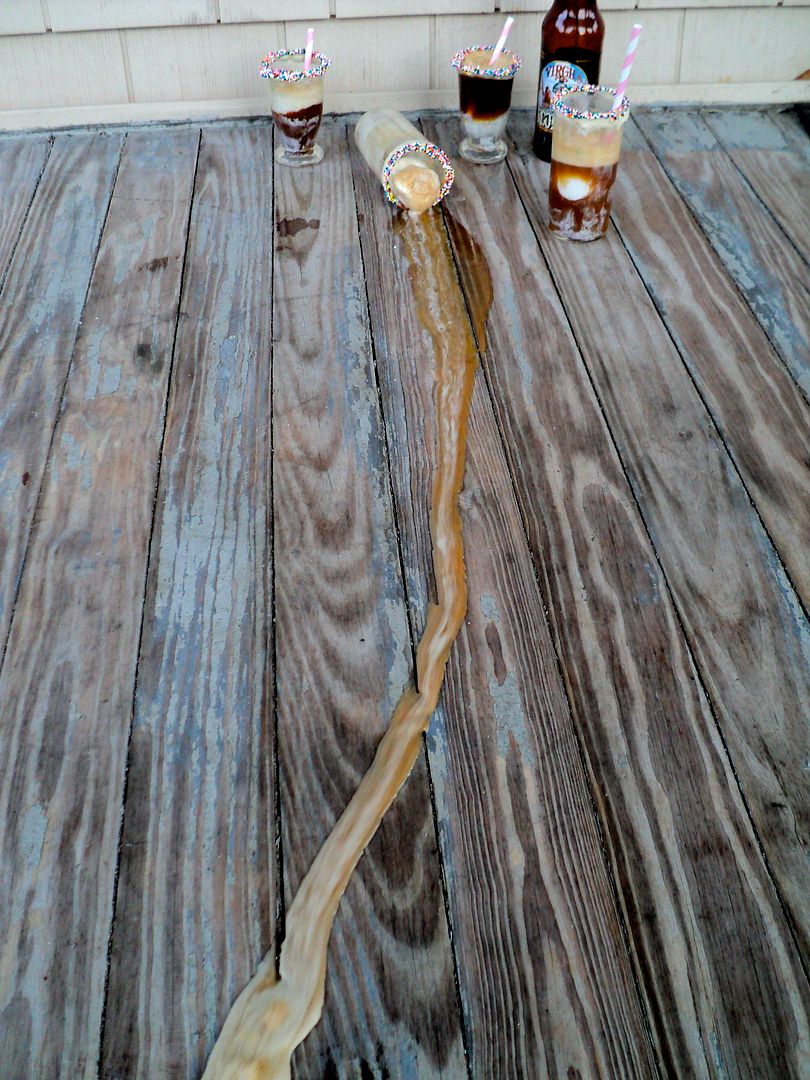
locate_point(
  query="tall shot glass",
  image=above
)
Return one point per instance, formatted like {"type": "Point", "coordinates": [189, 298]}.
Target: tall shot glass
{"type": "Point", "coordinates": [485, 95]}
{"type": "Point", "coordinates": [585, 147]}
{"type": "Point", "coordinates": [296, 98]}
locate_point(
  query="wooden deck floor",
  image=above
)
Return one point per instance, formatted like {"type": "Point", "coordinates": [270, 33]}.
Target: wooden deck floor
{"type": "Point", "coordinates": [215, 450]}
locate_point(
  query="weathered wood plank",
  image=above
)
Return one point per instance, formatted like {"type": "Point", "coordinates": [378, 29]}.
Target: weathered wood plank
{"type": "Point", "coordinates": [794, 123]}
{"type": "Point", "coordinates": [675, 829]}
{"type": "Point", "coordinates": [545, 980]}
{"type": "Point", "coordinates": [777, 171]}
{"type": "Point", "coordinates": [743, 621]}
{"type": "Point", "coordinates": [21, 163]}
{"type": "Point", "coordinates": [68, 679]}
{"type": "Point", "coordinates": [766, 267]}
{"type": "Point", "coordinates": [343, 652]}
{"type": "Point", "coordinates": [196, 890]}
{"type": "Point", "coordinates": [760, 412]}
{"type": "Point", "coordinates": [40, 309]}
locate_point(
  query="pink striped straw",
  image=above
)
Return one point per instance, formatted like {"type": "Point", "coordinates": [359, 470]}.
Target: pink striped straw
{"type": "Point", "coordinates": [308, 50]}
{"type": "Point", "coordinates": [629, 57]}
{"type": "Point", "coordinates": [507, 26]}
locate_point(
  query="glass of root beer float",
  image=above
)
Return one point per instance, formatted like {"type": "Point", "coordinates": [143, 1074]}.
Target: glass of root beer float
{"type": "Point", "coordinates": [296, 99]}
{"type": "Point", "coordinates": [485, 96]}
{"type": "Point", "coordinates": [585, 147]}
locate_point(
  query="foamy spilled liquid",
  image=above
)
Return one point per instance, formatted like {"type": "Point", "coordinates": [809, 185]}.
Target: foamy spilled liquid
{"type": "Point", "coordinates": [273, 1015]}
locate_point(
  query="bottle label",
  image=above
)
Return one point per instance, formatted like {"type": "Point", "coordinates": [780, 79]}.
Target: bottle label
{"type": "Point", "coordinates": [557, 75]}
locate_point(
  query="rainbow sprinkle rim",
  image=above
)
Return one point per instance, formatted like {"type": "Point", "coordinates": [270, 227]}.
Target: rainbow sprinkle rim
{"type": "Point", "coordinates": [560, 105]}
{"type": "Point", "coordinates": [486, 73]}
{"type": "Point", "coordinates": [432, 151]}
{"type": "Point", "coordinates": [319, 65]}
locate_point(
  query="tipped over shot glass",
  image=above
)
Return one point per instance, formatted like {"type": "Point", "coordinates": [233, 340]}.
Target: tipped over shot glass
{"type": "Point", "coordinates": [296, 99]}
{"type": "Point", "coordinates": [485, 96]}
{"type": "Point", "coordinates": [585, 146]}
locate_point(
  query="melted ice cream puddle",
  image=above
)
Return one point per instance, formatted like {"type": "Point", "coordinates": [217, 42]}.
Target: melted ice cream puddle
{"type": "Point", "coordinates": [272, 1016]}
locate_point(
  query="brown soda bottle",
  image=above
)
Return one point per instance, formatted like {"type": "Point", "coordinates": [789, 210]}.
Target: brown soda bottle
{"type": "Point", "coordinates": [570, 54]}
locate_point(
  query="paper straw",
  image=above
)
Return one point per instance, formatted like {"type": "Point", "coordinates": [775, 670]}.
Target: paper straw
{"type": "Point", "coordinates": [308, 51]}
{"type": "Point", "coordinates": [507, 26]}
{"type": "Point", "coordinates": [629, 57]}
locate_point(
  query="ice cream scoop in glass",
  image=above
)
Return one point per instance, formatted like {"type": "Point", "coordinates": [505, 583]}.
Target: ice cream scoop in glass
{"type": "Point", "coordinates": [585, 147]}
{"type": "Point", "coordinates": [296, 96]}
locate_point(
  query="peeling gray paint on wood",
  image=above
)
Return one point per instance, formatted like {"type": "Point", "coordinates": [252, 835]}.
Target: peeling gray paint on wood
{"type": "Point", "coordinates": [760, 412]}
{"type": "Point", "coordinates": [776, 167]}
{"type": "Point", "coordinates": [755, 252]}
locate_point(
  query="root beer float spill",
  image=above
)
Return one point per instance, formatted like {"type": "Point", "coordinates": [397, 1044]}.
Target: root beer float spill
{"type": "Point", "coordinates": [415, 174]}
{"type": "Point", "coordinates": [273, 1015]}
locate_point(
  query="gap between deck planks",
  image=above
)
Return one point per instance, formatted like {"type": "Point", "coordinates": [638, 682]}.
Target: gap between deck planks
{"type": "Point", "coordinates": [610, 608]}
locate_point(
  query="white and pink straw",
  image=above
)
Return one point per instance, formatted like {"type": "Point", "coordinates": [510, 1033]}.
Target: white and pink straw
{"type": "Point", "coordinates": [629, 57]}
{"type": "Point", "coordinates": [496, 52]}
{"type": "Point", "coordinates": [308, 50]}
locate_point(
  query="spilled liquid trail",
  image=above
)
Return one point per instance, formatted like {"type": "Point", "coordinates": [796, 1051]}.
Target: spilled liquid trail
{"type": "Point", "coordinates": [271, 1017]}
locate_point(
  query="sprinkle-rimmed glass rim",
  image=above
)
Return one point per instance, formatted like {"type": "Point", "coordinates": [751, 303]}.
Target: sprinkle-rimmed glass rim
{"type": "Point", "coordinates": [569, 109]}
{"type": "Point", "coordinates": [429, 149]}
{"type": "Point", "coordinates": [268, 70]}
{"type": "Point", "coordinates": [486, 72]}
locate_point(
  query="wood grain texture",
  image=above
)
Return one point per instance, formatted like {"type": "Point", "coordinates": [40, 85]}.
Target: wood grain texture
{"type": "Point", "coordinates": [761, 414]}
{"type": "Point", "coordinates": [727, 46]}
{"type": "Point", "coordinates": [40, 307]}
{"type": "Point", "coordinates": [775, 168]}
{"type": "Point", "coordinates": [67, 683]}
{"type": "Point", "coordinates": [112, 14]}
{"type": "Point", "coordinates": [545, 981]}
{"type": "Point", "coordinates": [58, 70]}
{"type": "Point", "coordinates": [264, 11]}
{"type": "Point", "coordinates": [343, 651]}
{"type": "Point", "coordinates": [755, 252]}
{"type": "Point", "coordinates": [22, 17]}
{"type": "Point", "coordinates": [21, 163]}
{"type": "Point", "coordinates": [196, 889]}
{"type": "Point", "coordinates": [362, 53]}
{"type": "Point", "coordinates": [743, 620]}
{"type": "Point", "coordinates": [794, 123]}
{"type": "Point", "coordinates": [674, 825]}
{"type": "Point", "coordinates": [208, 63]}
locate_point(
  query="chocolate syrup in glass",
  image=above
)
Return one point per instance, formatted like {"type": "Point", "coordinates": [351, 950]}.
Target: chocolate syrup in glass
{"type": "Point", "coordinates": [298, 130]}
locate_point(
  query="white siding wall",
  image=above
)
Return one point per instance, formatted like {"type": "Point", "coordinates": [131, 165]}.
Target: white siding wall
{"type": "Point", "coordinates": [88, 61]}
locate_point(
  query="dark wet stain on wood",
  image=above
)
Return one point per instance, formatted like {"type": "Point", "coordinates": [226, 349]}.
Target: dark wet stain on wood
{"type": "Point", "coordinates": [293, 226]}
{"type": "Point", "coordinates": [214, 560]}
